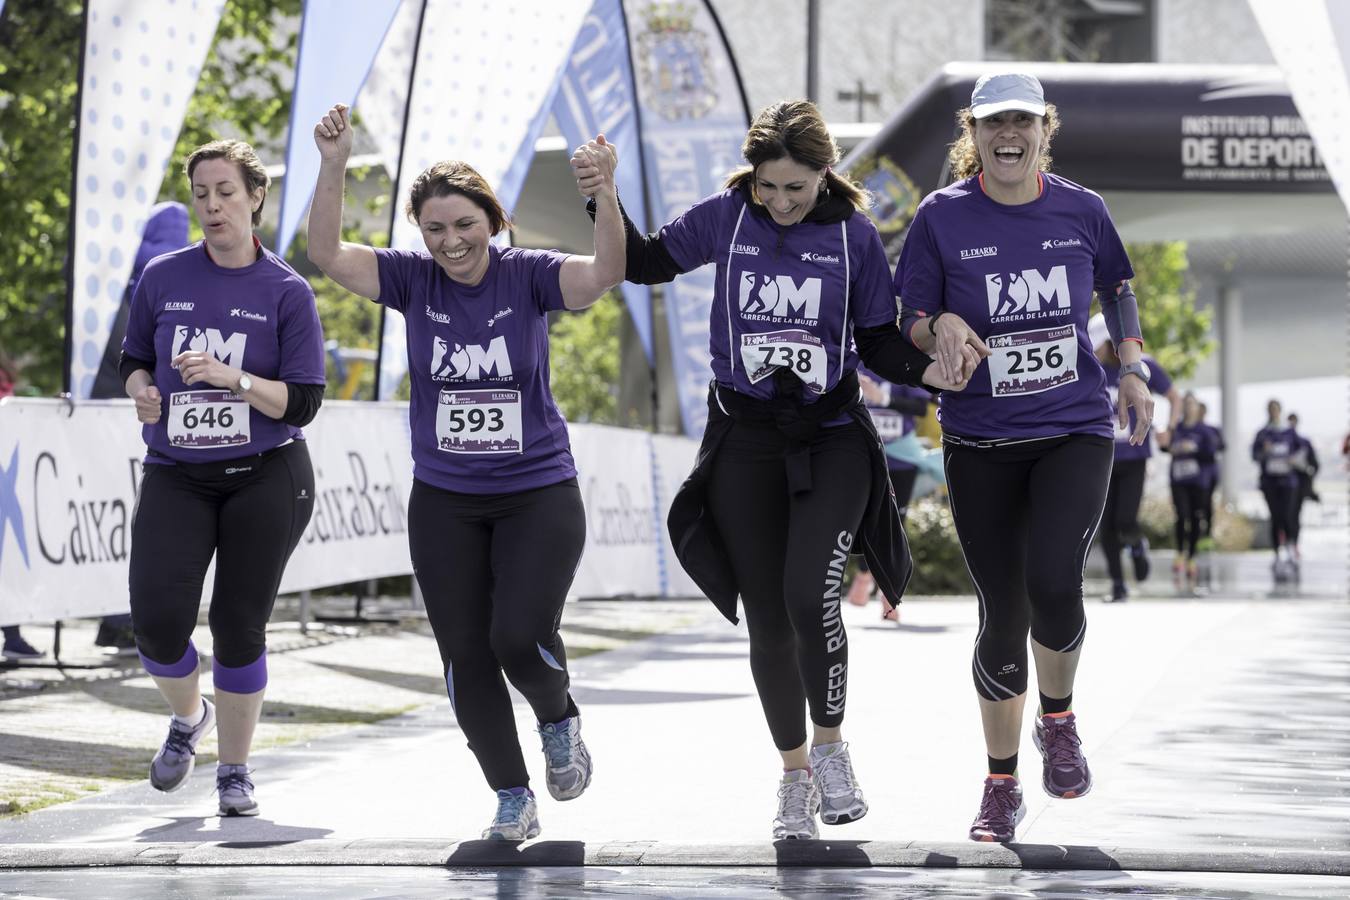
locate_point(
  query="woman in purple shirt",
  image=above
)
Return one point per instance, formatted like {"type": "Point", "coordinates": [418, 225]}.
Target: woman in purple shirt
{"type": "Point", "coordinates": [495, 521]}
{"type": "Point", "coordinates": [1274, 449]}
{"type": "Point", "coordinates": [1017, 253]}
{"type": "Point", "coordinates": [224, 357]}
{"type": "Point", "coordinates": [791, 477]}
{"type": "Point", "coordinates": [1191, 445]}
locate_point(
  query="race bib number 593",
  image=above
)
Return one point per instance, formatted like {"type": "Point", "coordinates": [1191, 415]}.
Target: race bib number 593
{"type": "Point", "coordinates": [479, 421]}
{"type": "Point", "coordinates": [1029, 362]}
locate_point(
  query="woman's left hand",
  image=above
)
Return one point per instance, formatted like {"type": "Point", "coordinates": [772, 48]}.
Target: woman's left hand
{"type": "Point", "coordinates": [968, 360]}
{"type": "Point", "coordinates": [196, 366]}
{"type": "Point", "coordinates": [1134, 394]}
{"type": "Point", "coordinates": [593, 165]}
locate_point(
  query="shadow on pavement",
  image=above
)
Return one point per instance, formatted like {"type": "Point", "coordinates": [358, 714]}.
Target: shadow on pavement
{"type": "Point", "coordinates": [621, 696]}
{"type": "Point", "coordinates": [196, 829]}
{"type": "Point", "coordinates": [506, 853]}
{"type": "Point", "coordinates": [422, 684]}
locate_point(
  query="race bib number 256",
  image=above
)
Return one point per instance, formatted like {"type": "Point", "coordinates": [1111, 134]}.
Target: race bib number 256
{"type": "Point", "coordinates": [1029, 362]}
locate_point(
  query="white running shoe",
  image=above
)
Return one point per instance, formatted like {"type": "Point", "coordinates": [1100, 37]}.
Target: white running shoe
{"type": "Point", "coordinates": [235, 788]}
{"type": "Point", "coordinates": [176, 758]}
{"type": "Point", "coordinates": [798, 805]}
{"type": "Point", "coordinates": [517, 817]}
{"type": "Point", "coordinates": [841, 800]}
{"type": "Point", "coordinates": [569, 762]}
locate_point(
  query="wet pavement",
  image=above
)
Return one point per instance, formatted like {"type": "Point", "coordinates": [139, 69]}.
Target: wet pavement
{"type": "Point", "coordinates": [1217, 723]}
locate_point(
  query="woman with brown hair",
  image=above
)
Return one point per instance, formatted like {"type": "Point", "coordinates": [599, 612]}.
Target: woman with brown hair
{"type": "Point", "coordinates": [791, 477]}
{"type": "Point", "coordinates": [1018, 252]}
{"type": "Point", "coordinates": [495, 521]}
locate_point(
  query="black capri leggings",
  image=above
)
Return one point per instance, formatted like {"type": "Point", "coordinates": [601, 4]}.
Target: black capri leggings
{"type": "Point", "coordinates": [1120, 519]}
{"type": "Point", "coordinates": [1191, 504]}
{"type": "Point", "coordinates": [1026, 514]}
{"type": "Point", "coordinates": [250, 513]}
{"type": "Point", "coordinates": [788, 553]}
{"type": "Point", "coordinates": [494, 571]}
{"type": "Point", "coordinates": [1282, 501]}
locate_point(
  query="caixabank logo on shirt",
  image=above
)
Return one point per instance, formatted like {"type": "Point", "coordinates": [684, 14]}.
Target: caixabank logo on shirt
{"type": "Point", "coordinates": [229, 350]}
{"type": "Point", "coordinates": [470, 362]}
{"type": "Point", "coordinates": [1028, 294]}
{"type": "Point", "coordinates": [771, 298]}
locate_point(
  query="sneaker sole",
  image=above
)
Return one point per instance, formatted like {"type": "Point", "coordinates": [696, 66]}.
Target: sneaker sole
{"type": "Point", "coordinates": [529, 835]}
{"type": "Point", "coordinates": [562, 797]}
{"type": "Point", "coordinates": [845, 817]}
{"type": "Point", "coordinates": [170, 788]}
{"type": "Point", "coordinates": [237, 813]}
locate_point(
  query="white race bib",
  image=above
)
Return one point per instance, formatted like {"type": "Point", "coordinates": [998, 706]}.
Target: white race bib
{"type": "Point", "coordinates": [800, 352]}
{"type": "Point", "coordinates": [1183, 469]}
{"type": "Point", "coordinates": [889, 423]}
{"type": "Point", "coordinates": [479, 421]}
{"type": "Point", "coordinates": [204, 420]}
{"type": "Point", "coordinates": [1029, 362]}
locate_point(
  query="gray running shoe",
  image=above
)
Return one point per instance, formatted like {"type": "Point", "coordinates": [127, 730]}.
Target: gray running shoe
{"type": "Point", "coordinates": [1065, 772]}
{"type": "Point", "coordinates": [1001, 808]}
{"type": "Point", "coordinates": [517, 817]}
{"type": "Point", "coordinates": [841, 800]}
{"type": "Point", "coordinates": [174, 762]}
{"type": "Point", "coordinates": [798, 805]}
{"type": "Point", "coordinates": [236, 791]}
{"type": "Point", "coordinates": [569, 762]}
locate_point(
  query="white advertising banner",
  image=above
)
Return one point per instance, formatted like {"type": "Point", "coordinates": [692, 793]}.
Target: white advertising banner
{"type": "Point", "coordinates": [69, 478]}
{"type": "Point", "coordinates": [141, 63]}
{"type": "Point", "coordinates": [65, 510]}
{"type": "Point", "coordinates": [623, 553]}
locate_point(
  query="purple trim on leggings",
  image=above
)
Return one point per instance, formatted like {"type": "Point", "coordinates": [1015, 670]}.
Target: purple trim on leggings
{"type": "Point", "coordinates": [247, 679]}
{"type": "Point", "coordinates": [181, 669]}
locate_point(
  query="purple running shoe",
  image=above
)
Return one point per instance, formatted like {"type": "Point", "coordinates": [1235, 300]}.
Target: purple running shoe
{"type": "Point", "coordinates": [1001, 808]}
{"type": "Point", "coordinates": [1065, 774]}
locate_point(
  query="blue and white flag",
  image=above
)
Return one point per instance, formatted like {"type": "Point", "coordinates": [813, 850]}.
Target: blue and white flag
{"type": "Point", "coordinates": [693, 121]}
{"type": "Point", "coordinates": [338, 42]}
{"type": "Point", "coordinates": [483, 85]}
{"type": "Point", "coordinates": [141, 64]}
{"type": "Point", "coordinates": [596, 97]}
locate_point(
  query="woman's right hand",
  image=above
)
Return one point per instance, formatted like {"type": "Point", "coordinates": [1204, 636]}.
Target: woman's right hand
{"type": "Point", "coordinates": [333, 133]}
{"type": "Point", "coordinates": [936, 373]}
{"type": "Point", "coordinates": [593, 165]}
{"type": "Point", "coordinates": [954, 338]}
{"type": "Point", "coordinates": [149, 404]}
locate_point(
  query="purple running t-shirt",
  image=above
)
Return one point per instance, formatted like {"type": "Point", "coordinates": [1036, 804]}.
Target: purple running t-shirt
{"type": "Point", "coordinates": [260, 318]}
{"type": "Point", "coordinates": [1274, 450]}
{"type": "Point", "coordinates": [1159, 382]}
{"type": "Point", "coordinates": [483, 418]}
{"type": "Point", "coordinates": [1188, 444]}
{"type": "Point", "coordinates": [1211, 468]}
{"type": "Point", "coordinates": [786, 297]}
{"type": "Point", "coordinates": [1022, 277]}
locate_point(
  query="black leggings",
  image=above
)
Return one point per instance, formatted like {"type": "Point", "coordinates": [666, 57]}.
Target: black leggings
{"type": "Point", "coordinates": [250, 513]}
{"type": "Point", "coordinates": [1026, 514]}
{"type": "Point", "coordinates": [1120, 518]}
{"type": "Point", "coordinates": [494, 571]}
{"type": "Point", "coordinates": [1281, 500]}
{"type": "Point", "coordinates": [788, 553]}
{"type": "Point", "coordinates": [1191, 504]}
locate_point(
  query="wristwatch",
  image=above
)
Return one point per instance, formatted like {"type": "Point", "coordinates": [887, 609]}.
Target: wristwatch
{"type": "Point", "coordinates": [245, 383]}
{"type": "Point", "coordinates": [1136, 368]}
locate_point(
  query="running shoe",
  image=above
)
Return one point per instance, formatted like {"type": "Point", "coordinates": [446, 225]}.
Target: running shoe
{"type": "Point", "coordinates": [1139, 557]}
{"type": "Point", "coordinates": [1001, 808]}
{"type": "Point", "coordinates": [1119, 593]}
{"type": "Point", "coordinates": [1065, 772]}
{"type": "Point", "coordinates": [841, 800]}
{"type": "Point", "coordinates": [517, 817]}
{"type": "Point", "coordinates": [569, 762]}
{"type": "Point", "coordinates": [15, 647]}
{"type": "Point", "coordinates": [235, 788]}
{"type": "Point", "coordinates": [173, 763]}
{"type": "Point", "coordinates": [798, 806]}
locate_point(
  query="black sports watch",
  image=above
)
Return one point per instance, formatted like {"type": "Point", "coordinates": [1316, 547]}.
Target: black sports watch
{"type": "Point", "coordinates": [1136, 368]}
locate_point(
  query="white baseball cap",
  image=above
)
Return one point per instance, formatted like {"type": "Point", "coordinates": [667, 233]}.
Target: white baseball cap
{"type": "Point", "coordinates": [1007, 90]}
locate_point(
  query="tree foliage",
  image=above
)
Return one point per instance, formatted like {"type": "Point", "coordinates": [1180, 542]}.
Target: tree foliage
{"type": "Point", "coordinates": [1176, 334]}
{"type": "Point", "coordinates": [584, 351]}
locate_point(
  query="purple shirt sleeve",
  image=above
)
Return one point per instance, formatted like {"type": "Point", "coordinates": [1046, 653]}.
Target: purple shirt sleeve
{"type": "Point", "coordinates": [691, 237]}
{"type": "Point", "coordinates": [397, 270]}
{"type": "Point", "coordinates": [300, 337]}
{"type": "Point", "coordinates": [1159, 382]}
{"type": "Point", "coordinates": [545, 271]}
{"type": "Point", "coordinates": [1110, 264]}
{"type": "Point", "coordinates": [918, 278]}
{"type": "Point", "coordinates": [871, 287]}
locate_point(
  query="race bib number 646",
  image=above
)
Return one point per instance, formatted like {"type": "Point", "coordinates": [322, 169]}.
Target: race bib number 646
{"type": "Point", "coordinates": [202, 420]}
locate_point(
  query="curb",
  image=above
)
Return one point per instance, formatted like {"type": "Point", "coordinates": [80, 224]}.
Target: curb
{"type": "Point", "coordinates": [793, 854]}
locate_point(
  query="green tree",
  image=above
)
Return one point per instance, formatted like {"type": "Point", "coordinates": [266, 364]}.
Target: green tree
{"type": "Point", "coordinates": [584, 348]}
{"type": "Point", "coordinates": [1176, 334]}
{"type": "Point", "coordinates": [39, 50]}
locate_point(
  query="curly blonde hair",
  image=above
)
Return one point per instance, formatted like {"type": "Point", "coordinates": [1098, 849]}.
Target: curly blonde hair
{"type": "Point", "coordinates": [963, 157]}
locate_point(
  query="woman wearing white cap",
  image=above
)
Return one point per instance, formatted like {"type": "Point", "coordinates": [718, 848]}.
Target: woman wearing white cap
{"type": "Point", "coordinates": [1006, 260]}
